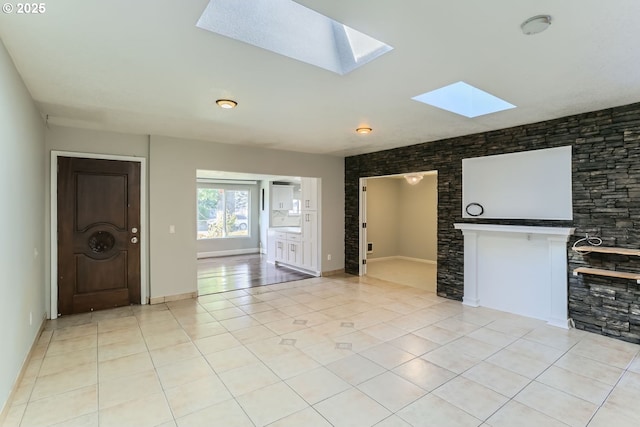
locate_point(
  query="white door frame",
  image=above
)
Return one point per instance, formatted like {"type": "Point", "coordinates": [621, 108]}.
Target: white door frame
{"type": "Point", "coordinates": [362, 267]}
{"type": "Point", "coordinates": [144, 294]}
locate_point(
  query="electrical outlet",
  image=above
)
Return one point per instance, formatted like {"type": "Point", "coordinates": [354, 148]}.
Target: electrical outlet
{"type": "Point", "coordinates": [30, 318]}
{"type": "Point", "coordinates": [329, 257]}
{"type": "Point", "coordinates": [172, 229]}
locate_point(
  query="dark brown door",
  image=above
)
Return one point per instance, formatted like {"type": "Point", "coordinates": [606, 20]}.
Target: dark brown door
{"type": "Point", "coordinates": [98, 234]}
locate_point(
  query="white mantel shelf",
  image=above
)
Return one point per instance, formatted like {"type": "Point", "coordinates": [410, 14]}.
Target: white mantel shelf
{"type": "Point", "coordinates": [518, 269]}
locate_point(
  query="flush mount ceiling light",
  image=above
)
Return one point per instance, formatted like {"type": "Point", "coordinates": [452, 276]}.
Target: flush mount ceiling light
{"type": "Point", "coordinates": [290, 29]}
{"type": "Point", "coordinates": [227, 104]}
{"type": "Point", "coordinates": [413, 178]}
{"type": "Point", "coordinates": [364, 131]}
{"type": "Point", "coordinates": [464, 99]}
{"type": "Point", "coordinates": [536, 24]}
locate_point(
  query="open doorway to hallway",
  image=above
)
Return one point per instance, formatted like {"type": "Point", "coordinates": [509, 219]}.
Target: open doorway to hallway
{"type": "Point", "coordinates": [399, 233]}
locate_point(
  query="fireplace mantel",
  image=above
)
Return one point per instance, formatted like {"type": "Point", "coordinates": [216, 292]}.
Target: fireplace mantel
{"type": "Point", "coordinates": [518, 269]}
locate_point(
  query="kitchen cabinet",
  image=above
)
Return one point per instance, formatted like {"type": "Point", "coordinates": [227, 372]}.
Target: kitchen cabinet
{"type": "Point", "coordinates": [309, 187]}
{"type": "Point", "coordinates": [281, 197]}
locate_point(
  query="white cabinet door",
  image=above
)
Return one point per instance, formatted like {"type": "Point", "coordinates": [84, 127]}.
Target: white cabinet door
{"type": "Point", "coordinates": [309, 188]}
{"type": "Point", "coordinates": [310, 226]}
{"type": "Point", "coordinates": [294, 256]}
{"type": "Point", "coordinates": [281, 197]}
{"type": "Point", "coordinates": [280, 250]}
{"type": "Point", "coordinates": [310, 255]}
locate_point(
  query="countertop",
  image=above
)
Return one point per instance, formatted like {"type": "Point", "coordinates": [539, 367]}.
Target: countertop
{"type": "Point", "coordinates": [286, 229]}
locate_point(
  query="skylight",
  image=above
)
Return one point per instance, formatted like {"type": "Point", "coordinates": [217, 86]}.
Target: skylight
{"type": "Point", "coordinates": [290, 29]}
{"type": "Point", "coordinates": [464, 99]}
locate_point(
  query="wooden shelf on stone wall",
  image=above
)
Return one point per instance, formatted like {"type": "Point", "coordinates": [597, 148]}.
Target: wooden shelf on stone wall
{"type": "Point", "coordinates": [607, 250]}
{"type": "Point", "coordinates": [607, 273]}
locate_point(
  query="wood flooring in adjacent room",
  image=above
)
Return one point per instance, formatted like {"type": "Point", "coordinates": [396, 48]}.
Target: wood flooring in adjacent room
{"type": "Point", "coordinates": [231, 273]}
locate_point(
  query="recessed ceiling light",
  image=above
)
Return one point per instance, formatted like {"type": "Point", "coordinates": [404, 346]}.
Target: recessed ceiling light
{"type": "Point", "coordinates": [536, 24]}
{"type": "Point", "coordinates": [464, 99]}
{"type": "Point", "coordinates": [364, 131]}
{"type": "Point", "coordinates": [226, 103]}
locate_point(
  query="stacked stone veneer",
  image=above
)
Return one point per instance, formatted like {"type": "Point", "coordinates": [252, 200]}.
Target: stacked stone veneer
{"type": "Point", "coordinates": [606, 203]}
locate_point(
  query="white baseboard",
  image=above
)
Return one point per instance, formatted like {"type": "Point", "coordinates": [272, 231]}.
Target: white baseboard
{"type": "Point", "coordinates": [230, 252]}
{"type": "Point", "coordinates": [405, 258]}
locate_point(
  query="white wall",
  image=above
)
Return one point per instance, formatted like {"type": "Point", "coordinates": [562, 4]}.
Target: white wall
{"type": "Point", "coordinates": [402, 219]}
{"type": "Point", "coordinates": [383, 206]}
{"type": "Point", "coordinates": [173, 163]}
{"type": "Point", "coordinates": [418, 225]}
{"type": "Point", "coordinates": [60, 138]}
{"type": "Point", "coordinates": [22, 168]}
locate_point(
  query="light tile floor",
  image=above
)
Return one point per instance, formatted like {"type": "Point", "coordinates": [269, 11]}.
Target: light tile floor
{"type": "Point", "coordinates": [339, 351]}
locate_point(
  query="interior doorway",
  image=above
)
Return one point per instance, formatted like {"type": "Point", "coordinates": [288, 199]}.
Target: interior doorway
{"type": "Point", "coordinates": [398, 234]}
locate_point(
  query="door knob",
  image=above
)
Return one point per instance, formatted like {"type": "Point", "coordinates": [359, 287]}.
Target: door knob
{"type": "Point", "coordinates": [134, 240]}
{"type": "Point", "coordinates": [134, 230]}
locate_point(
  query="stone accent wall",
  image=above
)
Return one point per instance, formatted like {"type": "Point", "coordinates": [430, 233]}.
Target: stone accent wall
{"type": "Point", "coordinates": [606, 203]}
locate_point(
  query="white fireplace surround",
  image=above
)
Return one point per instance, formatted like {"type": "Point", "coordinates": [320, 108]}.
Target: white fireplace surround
{"type": "Point", "coordinates": [517, 269]}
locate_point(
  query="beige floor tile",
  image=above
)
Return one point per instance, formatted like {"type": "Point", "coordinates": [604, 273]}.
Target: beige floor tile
{"type": "Point", "coordinates": [237, 323]}
{"type": "Point", "coordinates": [183, 372]}
{"type": "Point", "coordinates": [307, 338]}
{"type": "Point", "coordinates": [430, 410]}
{"type": "Point", "coordinates": [457, 325]}
{"type": "Point", "coordinates": [217, 343]}
{"type": "Point", "coordinates": [471, 397]}
{"type": "Point", "coordinates": [472, 347]}
{"type": "Point", "coordinates": [610, 416]}
{"type": "Point", "coordinates": [124, 366]}
{"type": "Point", "coordinates": [516, 326]}
{"type": "Point", "coordinates": [326, 352]}
{"type": "Point", "coordinates": [220, 304]}
{"type": "Point", "coordinates": [121, 390]}
{"type": "Point", "coordinates": [359, 341]}
{"type": "Point", "coordinates": [384, 332]}
{"type": "Point", "coordinates": [625, 401]}
{"type": "Point", "coordinates": [271, 316]}
{"type": "Point", "coordinates": [72, 345]}
{"type": "Point", "coordinates": [271, 403]}
{"type": "Point", "coordinates": [64, 362]}
{"type": "Point", "coordinates": [437, 334]}
{"type": "Point", "coordinates": [352, 408]}
{"type": "Point", "coordinates": [307, 417]}
{"type": "Point", "coordinates": [497, 379]}
{"type": "Point", "coordinates": [74, 378]}
{"type": "Point", "coordinates": [149, 410]}
{"type": "Point", "coordinates": [492, 337]}
{"type": "Point", "coordinates": [159, 327]}
{"type": "Point", "coordinates": [74, 332]}
{"type": "Point", "coordinates": [117, 323]}
{"type": "Point", "coordinates": [562, 339]}
{"type": "Point", "coordinates": [391, 391]}
{"type": "Point", "coordinates": [576, 385]}
{"type": "Point", "coordinates": [414, 344]}
{"type": "Point", "coordinates": [200, 394]}
{"type": "Point", "coordinates": [202, 330]}
{"type": "Point", "coordinates": [635, 365]}
{"type": "Point", "coordinates": [248, 378]}
{"type": "Point", "coordinates": [387, 355]}
{"type": "Point", "coordinates": [269, 348]}
{"type": "Point", "coordinates": [291, 364]}
{"type": "Point", "coordinates": [317, 385]}
{"type": "Point", "coordinates": [518, 363]}
{"type": "Point", "coordinates": [589, 368]}
{"type": "Point", "coordinates": [355, 369]}
{"type": "Point", "coordinates": [254, 333]}
{"type": "Point", "coordinates": [225, 360]}
{"type": "Point", "coordinates": [393, 421]}
{"type": "Point", "coordinates": [13, 415]}
{"type": "Point", "coordinates": [61, 407]}
{"type": "Point", "coordinates": [227, 413]}
{"type": "Point", "coordinates": [174, 353]}
{"type": "Point", "coordinates": [285, 326]}
{"type": "Point", "coordinates": [89, 420]}
{"type": "Point", "coordinates": [294, 310]}
{"type": "Point", "coordinates": [124, 336]}
{"type": "Point", "coordinates": [227, 313]}
{"type": "Point", "coordinates": [22, 393]}
{"type": "Point", "coordinates": [118, 350]}
{"type": "Point", "coordinates": [258, 307]}
{"type": "Point", "coordinates": [166, 339]}
{"type": "Point", "coordinates": [557, 404]}
{"type": "Point", "coordinates": [424, 374]}
{"type": "Point", "coordinates": [536, 350]}
{"type": "Point", "coordinates": [517, 414]}
{"type": "Point", "coordinates": [452, 360]}
{"type": "Point", "coordinates": [114, 313]}
{"type": "Point", "coordinates": [603, 351]}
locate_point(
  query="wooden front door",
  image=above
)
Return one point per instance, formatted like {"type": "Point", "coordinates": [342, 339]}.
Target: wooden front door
{"type": "Point", "coordinates": [98, 234]}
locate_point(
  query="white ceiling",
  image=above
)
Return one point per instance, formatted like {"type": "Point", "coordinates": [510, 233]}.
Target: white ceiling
{"type": "Point", "coordinates": [144, 67]}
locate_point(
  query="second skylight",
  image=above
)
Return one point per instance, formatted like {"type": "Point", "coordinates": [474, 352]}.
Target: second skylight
{"type": "Point", "coordinates": [464, 99]}
{"type": "Point", "coordinates": [290, 29]}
